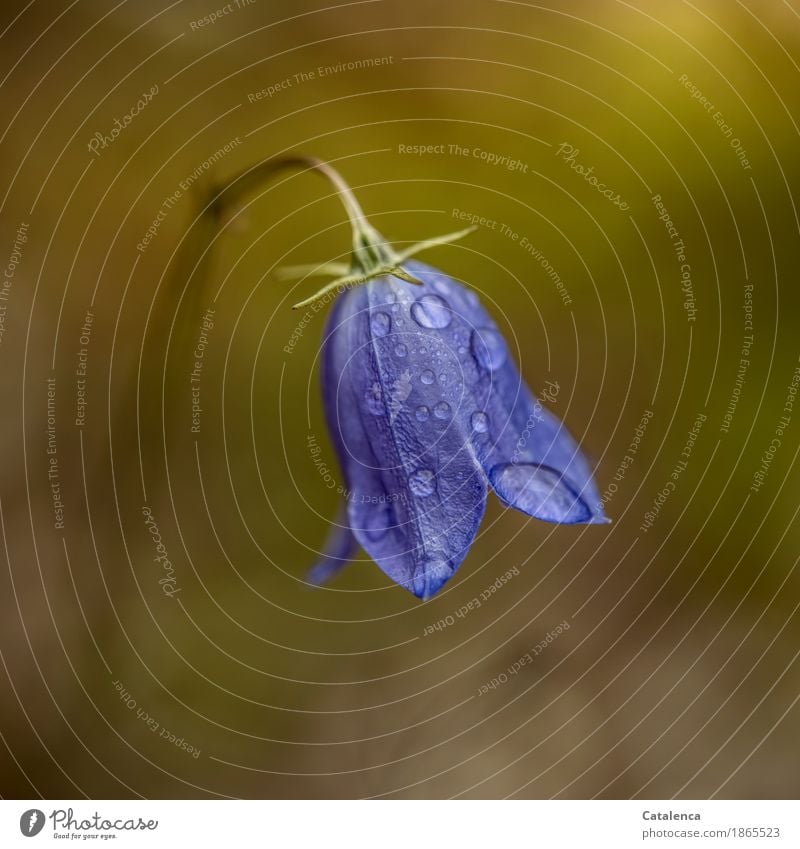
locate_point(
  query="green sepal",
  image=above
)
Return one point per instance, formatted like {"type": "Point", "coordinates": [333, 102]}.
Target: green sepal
{"type": "Point", "coordinates": [354, 278]}
{"type": "Point", "coordinates": [350, 280]}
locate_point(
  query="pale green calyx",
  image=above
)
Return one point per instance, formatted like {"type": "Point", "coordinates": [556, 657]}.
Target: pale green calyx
{"type": "Point", "coordinates": [368, 263]}
{"type": "Point", "coordinates": [372, 255]}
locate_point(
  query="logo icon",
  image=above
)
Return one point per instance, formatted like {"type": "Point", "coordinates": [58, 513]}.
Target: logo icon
{"type": "Point", "coordinates": [31, 822]}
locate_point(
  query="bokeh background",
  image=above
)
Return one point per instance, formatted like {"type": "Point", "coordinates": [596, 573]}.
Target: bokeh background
{"type": "Point", "coordinates": [678, 674]}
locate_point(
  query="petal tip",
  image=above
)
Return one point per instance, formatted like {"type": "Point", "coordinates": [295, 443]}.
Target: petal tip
{"type": "Point", "coordinates": [338, 551]}
{"type": "Point", "coordinates": [322, 572]}
{"type": "Point", "coordinates": [430, 576]}
{"type": "Point", "coordinates": [539, 491]}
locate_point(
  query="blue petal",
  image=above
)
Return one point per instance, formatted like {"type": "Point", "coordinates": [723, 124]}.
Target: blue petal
{"type": "Point", "coordinates": [338, 551]}
{"type": "Point", "coordinates": [530, 460]}
{"type": "Point", "coordinates": [425, 406]}
{"type": "Point", "coordinates": [392, 398]}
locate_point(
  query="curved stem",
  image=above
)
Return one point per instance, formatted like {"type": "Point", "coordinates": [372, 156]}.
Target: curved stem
{"type": "Point", "coordinates": [369, 247]}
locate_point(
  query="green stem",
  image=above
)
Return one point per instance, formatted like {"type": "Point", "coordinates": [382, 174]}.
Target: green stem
{"type": "Point", "coordinates": [370, 250]}
{"type": "Point", "coordinates": [371, 257]}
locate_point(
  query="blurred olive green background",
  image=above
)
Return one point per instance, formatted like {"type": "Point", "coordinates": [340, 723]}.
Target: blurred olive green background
{"type": "Point", "coordinates": [678, 674]}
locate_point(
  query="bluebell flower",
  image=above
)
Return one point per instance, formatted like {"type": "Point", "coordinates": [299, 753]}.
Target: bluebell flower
{"type": "Point", "coordinates": [427, 412]}
{"type": "Point", "coordinates": [425, 407]}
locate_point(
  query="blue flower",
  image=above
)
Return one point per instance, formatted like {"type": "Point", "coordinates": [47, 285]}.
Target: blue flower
{"type": "Point", "coordinates": [425, 407]}
{"type": "Point", "coordinates": [427, 412]}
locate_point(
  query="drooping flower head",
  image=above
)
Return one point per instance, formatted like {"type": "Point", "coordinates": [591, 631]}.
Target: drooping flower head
{"type": "Point", "coordinates": [426, 410]}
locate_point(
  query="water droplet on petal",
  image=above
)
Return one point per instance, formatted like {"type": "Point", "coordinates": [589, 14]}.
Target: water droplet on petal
{"type": "Point", "coordinates": [442, 410]}
{"type": "Point", "coordinates": [480, 422]}
{"type": "Point", "coordinates": [421, 482]}
{"type": "Point", "coordinates": [422, 413]}
{"type": "Point", "coordinates": [374, 400]}
{"type": "Point", "coordinates": [427, 377]}
{"type": "Point", "coordinates": [462, 349]}
{"type": "Point", "coordinates": [461, 335]}
{"type": "Point", "coordinates": [538, 491]}
{"type": "Point", "coordinates": [395, 307]}
{"type": "Point", "coordinates": [431, 311]}
{"type": "Point", "coordinates": [489, 348]}
{"type": "Point", "coordinates": [381, 323]}
{"type": "Point", "coordinates": [401, 350]}
{"type": "Point", "coordinates": [443, 378]}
